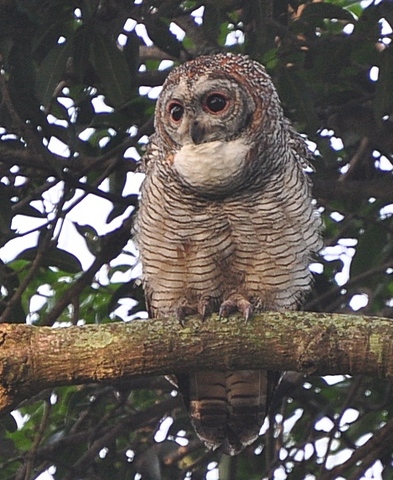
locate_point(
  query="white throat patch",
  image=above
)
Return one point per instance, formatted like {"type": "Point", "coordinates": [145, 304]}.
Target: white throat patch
{"type": "Point", "coordinates": [212, 164]}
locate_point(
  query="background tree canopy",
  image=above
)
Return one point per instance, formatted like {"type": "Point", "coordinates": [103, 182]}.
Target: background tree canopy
{"type": "Point", "coordinates": [78, 81]}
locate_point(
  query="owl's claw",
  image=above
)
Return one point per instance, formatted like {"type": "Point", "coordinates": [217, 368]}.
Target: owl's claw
{"type": "Point", "coordinates": [205, 307]}
{"type": "Point", "coordinates": [181, 313]}
{"type": "Point", "coordinates": [236, 302]}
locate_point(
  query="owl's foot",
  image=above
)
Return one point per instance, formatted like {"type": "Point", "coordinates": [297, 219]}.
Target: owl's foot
{"type": "Point", "coordinates": [181, 313]}
{"type": "Point", "coordinates": [236, 303]}
{"type": "Point", "coordinates": [205, 307]}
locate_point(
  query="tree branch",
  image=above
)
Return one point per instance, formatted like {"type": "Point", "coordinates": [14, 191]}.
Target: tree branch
{"type": "Point", "coordinates": [35, 358]}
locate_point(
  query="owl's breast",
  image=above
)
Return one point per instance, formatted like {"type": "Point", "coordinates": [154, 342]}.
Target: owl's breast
{"type": "Point", "coordinates": [213, 166]}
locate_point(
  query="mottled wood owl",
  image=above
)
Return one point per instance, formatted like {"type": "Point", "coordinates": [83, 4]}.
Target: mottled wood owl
{"type": "Point", "coordinates": [226, 223]}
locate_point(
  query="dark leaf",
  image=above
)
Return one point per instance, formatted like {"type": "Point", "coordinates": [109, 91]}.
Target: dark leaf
{"type": "Point", "coordinates": [383, 100]}
{"type": "Point", "coordinates": [54, 257]}
{"type": "Point", "coordinates": [112, 69]}
{"type": "Point", "coordinates": [132, 289]}
{"type": "Point", "coordinates": [30, 211]}
{"type": "Point", "coordinates": [321, 10]}
{"type": "Point", "coordinates": [5, 214]}
{"type": "Point", "coordinates": [81, 51]}
{"type": "Point", "coordinates": [297, 96]}
{"type": "Point", "coordinates": [90, 236]}
{"type": "Point", "coordinates": [51, 72]}
{"type": "Point", "coordinates": [368, 250]}
{"type": "Point", "coordinates": [8, 423]}
{"type": "Point", "coordinates": [159, 32]}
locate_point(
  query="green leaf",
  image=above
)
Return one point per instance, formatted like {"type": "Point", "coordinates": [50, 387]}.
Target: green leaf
{"type": "Point", "coordinates": [321, 10]}
{"type": "Point", "coordinates": [296, 94]}
{"type": "Point", "coordinates": [51, 72]}
{"type": "Point", "coordinates": [383, 100]}
{"type": "Point", "coordinates": [369, 249]}
{"type": "Point", "coordinates": [54, 257]}
{"type": "Point", "coordinates": [5, 214]}
{"type": "Point", "coordinates": [81, 51]}
{"type": "Point", "coordinates": [90, 236]}
{"type": "Point", "coordinates": [112, 69]}
{"type": "Point", "coordinates": [159, 32]}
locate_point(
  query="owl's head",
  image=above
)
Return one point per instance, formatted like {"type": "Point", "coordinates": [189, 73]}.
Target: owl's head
{"type": "Point", "coordinates": [215, 119]}
{"type": "Point", "coordinates": [214, 98]}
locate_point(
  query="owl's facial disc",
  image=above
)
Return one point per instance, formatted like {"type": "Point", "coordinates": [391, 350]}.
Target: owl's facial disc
{"type": "Point", "coordinates": [206, 110]}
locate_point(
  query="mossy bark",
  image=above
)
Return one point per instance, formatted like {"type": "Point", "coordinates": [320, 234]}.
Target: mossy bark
{"type": "Point", "coordinates": [35, 358]}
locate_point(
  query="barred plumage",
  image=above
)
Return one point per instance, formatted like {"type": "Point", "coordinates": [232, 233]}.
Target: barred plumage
{"type": "Point", "coordinates": [226, 222]}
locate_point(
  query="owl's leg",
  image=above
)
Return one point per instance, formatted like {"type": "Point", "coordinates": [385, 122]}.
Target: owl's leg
{"type": "Point", "coordinates": [236, 302]}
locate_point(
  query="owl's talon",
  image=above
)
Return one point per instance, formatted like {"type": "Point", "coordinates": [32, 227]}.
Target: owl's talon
{"type": "Point", "coordinates": [247, 311]}
{"type": "Point", "coordinates": [180, 315]}
{"type": "Point", "coordinates": [236, 302]}
{"type": "Point", "coordinates": [226, 308]}
{"type": "Point", "coordinates": [204, 308]}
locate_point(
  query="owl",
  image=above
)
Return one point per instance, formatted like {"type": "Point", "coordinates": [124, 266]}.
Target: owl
{"type": "Point", "coordinates": [226, 224]}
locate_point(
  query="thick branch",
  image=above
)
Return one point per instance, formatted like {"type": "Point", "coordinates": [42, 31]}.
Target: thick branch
{"type": "Point", "coordinates": [35, 358]}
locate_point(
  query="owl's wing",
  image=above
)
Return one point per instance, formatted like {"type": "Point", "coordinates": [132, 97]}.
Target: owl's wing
{"type": "Point", "coordinates": [299, 147]}
{"type": "Point", "coordinates": [152, 152]}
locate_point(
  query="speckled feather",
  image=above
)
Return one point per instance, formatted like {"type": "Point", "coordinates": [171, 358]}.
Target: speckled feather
{"type": "Point", "coordinates": [211, 241]}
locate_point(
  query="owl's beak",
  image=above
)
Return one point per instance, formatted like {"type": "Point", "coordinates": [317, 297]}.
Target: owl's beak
{"type": "Point", "coordinates": [197, 132]}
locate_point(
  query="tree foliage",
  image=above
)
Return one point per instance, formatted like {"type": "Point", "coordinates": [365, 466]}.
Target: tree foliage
{"type": "Point", "coordinates": [77, 88]}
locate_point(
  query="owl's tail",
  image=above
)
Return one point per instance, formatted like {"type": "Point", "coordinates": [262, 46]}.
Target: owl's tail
{"type": "Point", "coordinates": [228, 408]}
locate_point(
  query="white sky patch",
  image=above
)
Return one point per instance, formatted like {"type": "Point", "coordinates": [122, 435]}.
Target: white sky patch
{"type": "Point", "coordinates": [333, 379]}
{"type": "Point", "coordinates": [290, 422]}
{"type": "Point", "coordinates": [336, 143]}
{"type": "Point", "coordinates": [386, 211]}
{"type": "Point", "coordinates": [130, 24]}
{"type": "Point", "coordinates": [100, 106]}
{"type": "Point", "coordinates": [198, 15]}
{"type": "Point", "coordinates": [384, 164]}
{"type": "Point", "coordinates": [234, 38]}
{"type": "Point", "coordinates": [324, 425]}
{"type": "Point", "coordinates": [343, 253]}
{"type": "Point", "coordinates": [154, 92]}
{"type": "Point", "coordinates": [53, 120]}
{"type": "Point", "coordinates": [337, 216]}
{"type": "Point", "coordinates": [58, 147]}
{"type": "Point", "coordinates": [86, 133]}
{"type": "Point", "coordinates": [358, 301]}
{"type": "Point", "coordinates": [363, 439]}
{"type": "Point", "coordinates": [162, 432]}
{"type": "Point", "coordinates": [132, 152]}
{"type": "Point", "coordinates": [348, 29]}
{"type": "Point", "coordinates": [178, 32]}
{"type": "Point", "coordinates": [165, 64]}
{"type": "Point", "coordinates": [212, 473]}
{"type": "Point", "coordinates": [316, 267]}
{"type": "Point", "coordinates": [142, 32]}
{"type": "Point", "coordinates": [374, 73]}
{"type": "Point", "coordinates": [122, 39]}
{"type": "Point", "coordinates": [349, 416]}
{"type": "Point", "coordinates": [386, 29]}
{"type": "Point", "coordinates": [348, 242]}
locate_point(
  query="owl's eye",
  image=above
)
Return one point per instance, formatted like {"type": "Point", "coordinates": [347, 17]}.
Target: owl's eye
{"type": "Point", "coordinates": [176, 111]}
{"type": "Point", "coordinates": [216, 103]}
